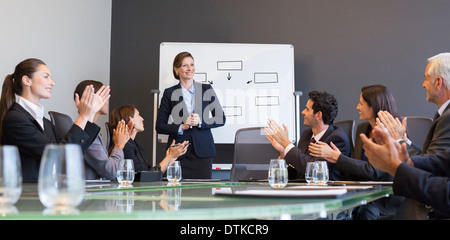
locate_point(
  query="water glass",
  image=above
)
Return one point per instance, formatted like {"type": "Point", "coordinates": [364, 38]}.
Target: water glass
{"type": "Point", "coordinates": [125, 172]}
{"type": "Point", "coordinates": [61, 176]}
{"type": "Point", "coordinates": [174, 172]}
{"type": "Point", "coordinates": [278, 173]}
{"type": "Point", "coordinates": [320, 173]}
{"type": "Point", "coordinates": [309, 172]}
{"type": "Point", "coordinates": [10, 175]}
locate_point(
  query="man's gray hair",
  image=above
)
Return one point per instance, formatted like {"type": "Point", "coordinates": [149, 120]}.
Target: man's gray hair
{"type": "Point", "coordinates": [440, 67]}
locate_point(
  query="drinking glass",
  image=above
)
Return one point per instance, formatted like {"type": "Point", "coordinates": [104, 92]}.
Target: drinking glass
{"type": "Point", "coordinates": [174, 172]}
{"type": "Point", "coordinates": [320, 173]}
{"type": "Point", "coordinates": [61, 182]}
{"type": "Point", "coordinates": [10, 175]}
{"type": "Point", "coordinates": [125, 172]}
{"type": "Point", "coordinates": [309, 172]}
{"type": "Point", "coordinates": [278, 173]}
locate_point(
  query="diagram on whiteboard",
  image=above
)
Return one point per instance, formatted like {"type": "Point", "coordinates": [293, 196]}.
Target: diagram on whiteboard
{"type": "Point", "coordinates": [253, 82]}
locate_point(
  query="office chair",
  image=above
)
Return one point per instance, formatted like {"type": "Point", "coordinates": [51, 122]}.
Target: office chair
{"type": "Point", "coordinates": [252, 154]}
{"type": "Point", "coordinates": [417, 128]}
{"type": "Point", "coordinates": [62, 122]}
{"type": "Point", "coordinates": [349, 128]}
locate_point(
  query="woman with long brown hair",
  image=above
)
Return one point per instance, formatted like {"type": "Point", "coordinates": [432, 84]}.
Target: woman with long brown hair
{"type": "Point", "coordinates": [23, 123]}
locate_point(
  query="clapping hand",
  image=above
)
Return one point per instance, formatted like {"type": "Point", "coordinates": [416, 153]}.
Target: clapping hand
{"type": "Point", "coordinates": [177, 150]}
{"type": "Point", "coordinates": [91, 102]}
{"type": "Point", "coordinates": [278, 134]}
{"type": "Point", "coordinates": [323, 150]}
{"type": "Point", "coordinates": [121, 135]}
{"type": "Point", "coordinates": [396, 129]}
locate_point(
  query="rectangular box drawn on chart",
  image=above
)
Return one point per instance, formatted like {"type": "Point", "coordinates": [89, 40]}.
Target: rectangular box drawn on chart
{"type": "Point", "coordinates": [200, 77]}
{"type": "Point", "coordinates": [266, 77]}
{"type": "Point", "coordinates": [229, 65]}
{"type": "Point", "coordinates": [232, 111]}
{"type": "Point", "coordinates": [267, 101]}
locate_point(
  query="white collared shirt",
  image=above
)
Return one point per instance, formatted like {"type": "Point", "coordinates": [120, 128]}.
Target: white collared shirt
{"type": "Point", "coordinates": [37, 111]}
{"type": "Point", "coordinates": [316, 137]}
{"type": "Point", "coordinates": [319, 136]}
{"type": "Point", "coordinates": [189, 100]}
{"type": "Point", "coordinates": [188, 96]}
{"type": "Point", "coordinates": [443, 107]}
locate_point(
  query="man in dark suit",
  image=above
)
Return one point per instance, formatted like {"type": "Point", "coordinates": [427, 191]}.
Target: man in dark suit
{"type": "Point", "coordinates": [434, 157]}
{"type": "Point", "coordinates": [319, 114]}
{"type": "Point", "coordinates": [437, 141]}
{"type": "Point", "coordinates": [414, 183]}
{"type": "Point", "coordinates": [207, 113]}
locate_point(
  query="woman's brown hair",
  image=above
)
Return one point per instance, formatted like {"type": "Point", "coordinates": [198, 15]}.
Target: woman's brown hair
{"type": "Point", "coordinates": [178, 61]}
{"type": "Point", "coordinates": [380, 99]}
{"type": "Point", "coordinates": [124, 112]}
{"type": "Point", "coordinates": [13, 85]}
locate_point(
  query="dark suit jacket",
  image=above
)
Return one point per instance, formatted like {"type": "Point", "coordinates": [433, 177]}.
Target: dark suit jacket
{"type": "Point", "coordinates": [358, 169]}
{"type": "Point", "coordinates": [134, 150]}
{"type": "Point", "coordinates": [296, 157]}
{"type": "Point", "coordinates": [424, 187]}
{"type": "Point", "coordinates": [437, 142]}
{"type": "Point", "coordinates": [22, 130]}
{"type": "Point", "coordinates": [206, 102]}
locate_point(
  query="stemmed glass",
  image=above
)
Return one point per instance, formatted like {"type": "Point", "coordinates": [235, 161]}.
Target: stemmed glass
{"type": "Point", "coordinates": [61, 184]}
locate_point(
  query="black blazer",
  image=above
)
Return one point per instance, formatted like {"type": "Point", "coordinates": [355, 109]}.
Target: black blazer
{"type": "Point", "coordinates": [424, 187]}
{"type": "Point", "coordinates": [297, 157]}
{"type": "Point", "coordinates": [22, 130]}
{"type": "Point", "coordinates": [437, 142]}
{"type": "Point", "coordinates": [134, 150]}
{"type": "Point", "coordinates": [355, 167]}
{"type": "Point", "coordinates": [206, 102]}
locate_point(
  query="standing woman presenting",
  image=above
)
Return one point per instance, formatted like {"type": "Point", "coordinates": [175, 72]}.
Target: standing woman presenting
{"type": "Point", "coordinates": [193, 109]}
{"type": "Point", "coordinates": [23, 123]}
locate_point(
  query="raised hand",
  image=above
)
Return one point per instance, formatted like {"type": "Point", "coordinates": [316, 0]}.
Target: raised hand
{"type": "Point", "coordinates": [320, 149]}
{"type": "Point", "coordinates": [90, 103]}
{"type": "Point", "coordinates": [121, 135]}
{"type": "Point", "coordinates": [275, 144]}
{"type": "Point", "coordinates": [281, 135]}
{"type": "Point", "coordinates": [396, 129]}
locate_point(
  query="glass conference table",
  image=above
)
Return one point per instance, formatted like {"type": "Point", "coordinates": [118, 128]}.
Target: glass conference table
{"type": "Point", "coordinates": [194, 200]}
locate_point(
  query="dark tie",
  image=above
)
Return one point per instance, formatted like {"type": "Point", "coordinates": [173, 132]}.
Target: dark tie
{"type": "Point", "coordinates": [436, 116]}
{"type": "Point", "coordinates": [313, 140]}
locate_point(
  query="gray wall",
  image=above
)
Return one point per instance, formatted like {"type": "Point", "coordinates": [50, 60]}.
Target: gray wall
{"type": "Point", "coordinates": [71, 37]}
{"type": "Point", "coordinates": [340, 46]}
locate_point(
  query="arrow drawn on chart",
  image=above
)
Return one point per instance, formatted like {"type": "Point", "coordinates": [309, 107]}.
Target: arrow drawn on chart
{"type": "Point", "coordinates": [229, 76]}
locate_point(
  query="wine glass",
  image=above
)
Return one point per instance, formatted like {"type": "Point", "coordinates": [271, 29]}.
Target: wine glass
{"type": "Point", "coordinates": [125, 172]}
{"type": "Point", "coordinates": [10, 175]}
{"type": "Point", "coordinates": [278, 174]}
{"type": "Point", "coordinates": [61, 182]}
{"type": "Point", "coordinates": [174, 172]}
